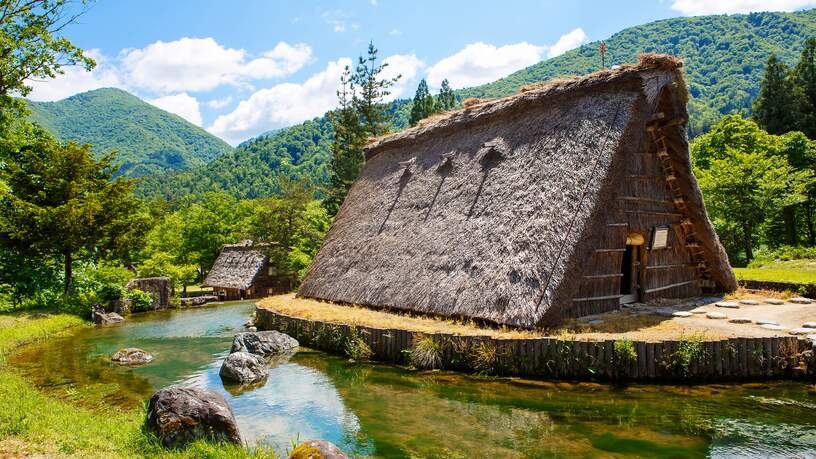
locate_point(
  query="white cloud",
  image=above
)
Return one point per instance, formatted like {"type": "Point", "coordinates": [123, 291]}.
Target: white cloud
{"type": "Point", "coordinates": [702, 7]}
{"type": "Point", "coordinates": [76, 79]}
{"type": "Point", "coordinates": [202, 64]}
{"type": "Point", "coordinates": [281, 105]}
{"type": "Point", "coordinates": [219, 103]}
{"type": "Point", "coordinates": [336, 19]}
{"type": "Point", "coordinates": [566, 42]}
{"type": "Point", "coordinates": [182, 104]}
{"type": "Point", "coordinates": [394, 32]}
{"type": "Point", "coordinates": [480, 63]}
{"type": "Point", "coordinates": [407, 65]}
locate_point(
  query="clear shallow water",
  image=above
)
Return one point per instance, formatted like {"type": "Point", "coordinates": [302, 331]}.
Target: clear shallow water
{"type": "Point", "coordinates": [385, 411]}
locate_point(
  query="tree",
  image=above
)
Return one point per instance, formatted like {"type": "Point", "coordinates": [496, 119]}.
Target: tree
{"type": "Point", "coordinates": [776, 108]}
{"type": "Point", "coordinates": [372, 89]}
{"type": "Point", "coordinates": [347, 147]}
{"type": "Point", "coordinates": [423, 106]}
{"type": "Point", "coordinates": [741, 188]}
{"type": "Point", "coordinates": [31, 48]}
{"type": "Point", "coordinates": [446, 99]}
{"type": "Point", "coordinates": [64, 203]}
{"type": "Point", "coordinates": [805, 78]}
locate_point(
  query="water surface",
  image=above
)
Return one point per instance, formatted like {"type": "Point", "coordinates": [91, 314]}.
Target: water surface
{"type": "Point", "coordinates": [386, 411]}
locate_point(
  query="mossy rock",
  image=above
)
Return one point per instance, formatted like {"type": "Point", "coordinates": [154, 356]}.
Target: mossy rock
{"type": "Point", "coordinates": [317, 449]}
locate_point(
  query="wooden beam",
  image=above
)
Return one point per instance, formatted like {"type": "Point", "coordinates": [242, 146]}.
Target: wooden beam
{"type": "Point", "coordinates": [648, 212]}
{"type": "Point", "coordinates": [666, 287]}
{"type": "Point", "coordinates": [609, 250]}
{"type": "Point", "coordinates": [597, 298]}
{"type": "Point", "coordinates": [603, 276]}
{"type": "Point", "coordinates": [644, 177]}
{"type": "Point", "coordinates": [640, 199]}
{"type": "Point", "coordinates": [674, 266]}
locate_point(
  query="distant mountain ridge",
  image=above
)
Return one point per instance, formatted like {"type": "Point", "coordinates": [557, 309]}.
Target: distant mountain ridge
{"type": "Point", "coordinates": [149, 140]}
{"type": "Point", "coordinates": [724, 60]}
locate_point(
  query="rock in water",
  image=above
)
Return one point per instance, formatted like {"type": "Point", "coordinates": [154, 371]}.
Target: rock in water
{"type": "Point", "coordinates": [178, 416]}
{"type": "Point", "coordinates": [317, 449]}
{"type": "Point", "coordinates": [99, 316]}
{"type": "Point", "coordinates": [264, 343]}
{"type": "Point", "coordinates": [244, 368]}
{"type": "Point", "coordinates": [132, 356]}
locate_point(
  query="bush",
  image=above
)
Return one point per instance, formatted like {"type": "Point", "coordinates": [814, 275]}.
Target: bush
{"type": "Point", "coordinates": [110, 292]}
{"type": "Point", "coordinates": [426, 354]}
{"type": "Point", "coordinates": [140, 301]}
{"type": "Point", "coordinates": [356, 348]}
{"type": "Point", "coordinates": [766, 256]}
{"type": "Point", "coordinates": [624, 351]}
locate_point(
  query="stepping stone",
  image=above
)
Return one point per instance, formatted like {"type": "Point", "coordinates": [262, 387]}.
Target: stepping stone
{"type": "Point", "coordinates": [809, 325]}
{"type": "Point", "coordinates": [682, 314]}
{"type": "Point", "coordinates": [699, 311]}
{"type": "Point", "coordinates": [749, 302]}
{"type": "Point", "coordinates": [726, 304]}
{"type": "Point", "coordinates": [595, 322]}
{"type": "Point", "coordinates": [716, 315]}
{"type": "Point", "coordinates": [773, 327]}
{"type": "Point", "coordinates": [741, 320]}
{"type": "Point", "coordinates": [767, 322]}
{"type": "Point", "coordinates": [801, 331]}
{"type": "Point", "coordinates": [775, 301]}
{"type": "Point", "coordinates": [800, 300]}
{"type": "Point", "coordinates": [668, 312]}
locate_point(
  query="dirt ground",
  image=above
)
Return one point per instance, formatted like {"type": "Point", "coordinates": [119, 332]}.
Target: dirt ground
{"type": "Point", "coordinates": [642, 322]}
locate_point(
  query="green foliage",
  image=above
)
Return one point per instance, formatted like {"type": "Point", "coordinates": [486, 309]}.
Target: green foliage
{"type": "Point", "coordinates": [446, 99]}
{"type": "Point", "coordinates": [163, 264]}
{"type": "Point", "coordinates": [369, 89]}
{"type": "Point", "coordinates": [148, 139]}
{"type": "Point", "coordinates": [776, 108]}
{"type": "Point", "coordinates": [767, 256]}
{"type": "Point", "coordinates": [689, 350]}
{"type": "Point", "coordinates": [141, 301]}
{"type": "Point", "coordinates": [426, 354]}
{"type": "Point", "coordinates": [805, 77]}
{"type": "Point", "coordinates": [624, 352]}
{"type": "Point", "coordinates": [423, 104]}
{"type": "Point", "coordinates": [64, 204]}
{"type": "Point", "coordinates": [347, 147]}
{"type": "Point", "coordinates": [746, 179]}
{"type": "Point", "coordinates": [32, 48]}
{"type": "Point", "coordinates": [356, 348]}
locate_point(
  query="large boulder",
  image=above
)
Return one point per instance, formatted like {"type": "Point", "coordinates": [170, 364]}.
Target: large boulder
{"type": "Point", "coordinates": [160, 288]}
{"type": "Point", "coordinates": [132, 356]}
{"type": "Point", "coordinates": [264, 343]}
{"type": "Point", "coordinates": [99, 316]}
{"type": "Point", "coordinates": [178, 416]}
{"type": "Point", "coordinates": [122, 306]}
{"type": "Point", "coordinates": [317, 449]}
{"type": "Point", "coordinates": [244, 368]}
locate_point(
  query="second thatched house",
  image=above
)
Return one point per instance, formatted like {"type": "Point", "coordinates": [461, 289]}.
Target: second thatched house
{"type": "Point", "coordinates": [567, 199]}
{"type": "Point", "coordinates": [242, 271]}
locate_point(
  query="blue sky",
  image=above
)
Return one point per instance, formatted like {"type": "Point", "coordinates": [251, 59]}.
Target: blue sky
{"type": "Point", "coordinates": [243, 67]}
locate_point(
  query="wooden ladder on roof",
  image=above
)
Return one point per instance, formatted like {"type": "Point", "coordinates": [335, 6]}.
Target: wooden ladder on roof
{"type": "Point", "coordinates": [690, 239]}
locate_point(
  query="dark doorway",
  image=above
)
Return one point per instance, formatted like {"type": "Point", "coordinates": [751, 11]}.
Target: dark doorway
{"type": "Point", "coordinates": [629, 274]}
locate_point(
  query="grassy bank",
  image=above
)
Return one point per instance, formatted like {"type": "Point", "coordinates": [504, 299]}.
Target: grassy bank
{"type": "Point", "coordinates": [792, 271]}
{"type": "Point", "coordinates": [36, 424]}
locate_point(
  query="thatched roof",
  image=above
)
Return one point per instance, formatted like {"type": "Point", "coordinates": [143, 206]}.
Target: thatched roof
{"type": "Point", "coordinates": [237, 266]}
{"type": "Point", "coordinates": [488, 212]}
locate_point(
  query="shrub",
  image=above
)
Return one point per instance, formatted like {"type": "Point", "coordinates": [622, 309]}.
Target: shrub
{"type": "Point", "coordinates": [426, 354]}
{"type": "Point", "coordinates": [140, 301]}
{"type": "Point", "coordinates": [356, 348]}
{"type": "Point", "coordinates": [624, 352]}
{"type": "Point", "coordinates": [486, 358]}
{"type": "Point", "coordinates": [688, 351]}
{"type": "Point", "coordinates": [766, 256]}
{"type": "Point", "coordinates": [110, 292]}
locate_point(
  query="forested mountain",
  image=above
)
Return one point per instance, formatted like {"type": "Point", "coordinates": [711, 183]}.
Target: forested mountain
{"type": "Point", "coordinates": [724, 60]}
{"type": "Point", "coordinates": [148, 139]}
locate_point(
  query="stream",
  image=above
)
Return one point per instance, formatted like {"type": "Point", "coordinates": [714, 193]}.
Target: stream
{"type": "Point", "coordinates": [386, 411]}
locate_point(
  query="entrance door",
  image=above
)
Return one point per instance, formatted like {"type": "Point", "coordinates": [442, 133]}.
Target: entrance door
{"type": "Point", "coordinates": [630, 270]}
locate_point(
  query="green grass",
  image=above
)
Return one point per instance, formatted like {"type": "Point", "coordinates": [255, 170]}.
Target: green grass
{"type": "Point", "coordinates": [33, 423]}
{"type": "Point", "coordinates": [777, 274]}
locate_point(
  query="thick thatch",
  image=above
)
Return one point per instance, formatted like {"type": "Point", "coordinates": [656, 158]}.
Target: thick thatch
{"type": "Point", "coordinates": [489, 212]}
{"type": "Point", "coordinates": [237, 266]}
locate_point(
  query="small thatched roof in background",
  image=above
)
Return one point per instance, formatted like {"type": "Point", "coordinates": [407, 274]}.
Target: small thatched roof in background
{"type": "Point", "coordinates": [237, 266]}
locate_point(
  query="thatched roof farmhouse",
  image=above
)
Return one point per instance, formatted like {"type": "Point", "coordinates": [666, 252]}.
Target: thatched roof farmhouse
{"type": "Point", "coordinates": [242, 271]}
{"type": "Point", "coordinates": [563, 200]}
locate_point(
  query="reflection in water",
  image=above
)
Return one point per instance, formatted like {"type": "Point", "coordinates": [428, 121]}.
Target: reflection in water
{"type": "Point", "coordinates": [384, 411]}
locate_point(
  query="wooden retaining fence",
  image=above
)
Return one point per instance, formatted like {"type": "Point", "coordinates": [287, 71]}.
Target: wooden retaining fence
{"type": "Point", "coordinates": [785, 357]}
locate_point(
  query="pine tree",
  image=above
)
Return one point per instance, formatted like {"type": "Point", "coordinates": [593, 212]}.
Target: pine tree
{"type": "Point", "coordinates": [372, 90]}
{"type": "Point", "coordinates": [423, 103]}
{"type": "Point", "coordinates": [805, 79]}
{"type": "Point", "coordinates": [347, 147]}
{"type": "Point", "coordinates": [446, 99]}
{"type": "Point", "coordinates": [777, 109]}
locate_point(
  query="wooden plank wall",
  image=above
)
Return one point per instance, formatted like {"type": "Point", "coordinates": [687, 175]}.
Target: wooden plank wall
{"type": "Point", "coordinates": [552, 358]}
